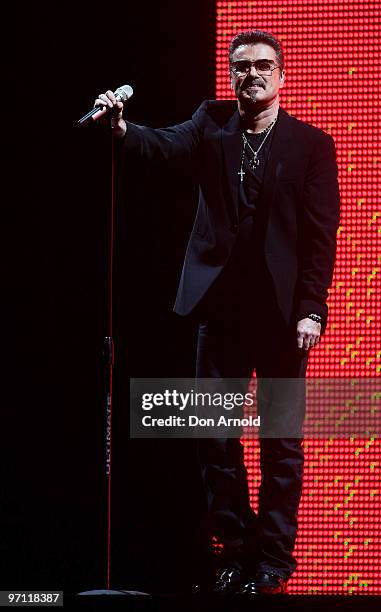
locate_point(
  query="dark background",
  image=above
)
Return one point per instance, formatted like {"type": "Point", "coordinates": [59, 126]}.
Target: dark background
{"type": "Point", "coordinates": [55, 237]}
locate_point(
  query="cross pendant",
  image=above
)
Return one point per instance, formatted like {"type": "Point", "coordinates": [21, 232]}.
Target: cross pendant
{"type": "Point", "coordinates": [241, 174]}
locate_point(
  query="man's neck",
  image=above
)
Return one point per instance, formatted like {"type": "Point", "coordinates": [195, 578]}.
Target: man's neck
{"type": "Point", "coordinates": [257, 119]}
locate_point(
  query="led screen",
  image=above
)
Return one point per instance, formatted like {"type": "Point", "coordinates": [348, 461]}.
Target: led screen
{"type": "Point", "coordinates": [332, 81]}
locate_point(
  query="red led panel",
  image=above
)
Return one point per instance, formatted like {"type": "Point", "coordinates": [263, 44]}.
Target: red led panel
{"type": "Point", "coordinates": [338, 548]}
{"type": "Point", "coordinates": [332, 81]}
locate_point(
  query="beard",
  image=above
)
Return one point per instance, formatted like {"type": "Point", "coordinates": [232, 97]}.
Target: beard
{"type": "Point", "coordinates": [249, 96]}
{"type": "Point", "coordinates": [253, 94]}
{"type": "Point", "coordinates": [248, 92]}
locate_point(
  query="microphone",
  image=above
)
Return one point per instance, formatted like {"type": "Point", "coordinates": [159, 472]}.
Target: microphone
{"type": "Point", "coordinates": [122, 93]}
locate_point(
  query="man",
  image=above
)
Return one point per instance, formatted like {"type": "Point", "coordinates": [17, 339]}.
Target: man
{"type": "Point", "coordinates": [257, 271]}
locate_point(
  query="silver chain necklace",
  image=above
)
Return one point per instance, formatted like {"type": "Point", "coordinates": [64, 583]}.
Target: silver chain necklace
{"type": "Point", "coordinates": [254, 161]}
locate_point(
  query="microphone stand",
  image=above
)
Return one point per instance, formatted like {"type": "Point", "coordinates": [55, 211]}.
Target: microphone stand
{"type": "Point", "coordinates": [108, 356]}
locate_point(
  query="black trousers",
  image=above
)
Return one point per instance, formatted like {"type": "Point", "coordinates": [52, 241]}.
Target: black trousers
{"type": "Point", "coordinates": [231, 344]}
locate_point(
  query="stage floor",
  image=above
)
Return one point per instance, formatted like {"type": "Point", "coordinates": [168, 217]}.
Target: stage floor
{"type": "Point", "coordinates": [170, 603]}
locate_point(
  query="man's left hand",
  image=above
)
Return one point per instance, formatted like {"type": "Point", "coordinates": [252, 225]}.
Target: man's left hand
{"type": "Point", "coordinates": [308, 333]}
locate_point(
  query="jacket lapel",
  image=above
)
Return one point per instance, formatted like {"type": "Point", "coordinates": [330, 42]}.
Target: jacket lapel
{"type": "Point", "coordinates": [279, 153]}
{"type": "Point", "coordinates": [232, 149]}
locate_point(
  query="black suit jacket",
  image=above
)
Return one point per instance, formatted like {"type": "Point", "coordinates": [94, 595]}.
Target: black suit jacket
{"type": "Point", "coordinates": [300, 197]}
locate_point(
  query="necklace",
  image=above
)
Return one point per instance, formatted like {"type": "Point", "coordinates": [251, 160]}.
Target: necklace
{"type": "Point", "coordinates": [254, 160]}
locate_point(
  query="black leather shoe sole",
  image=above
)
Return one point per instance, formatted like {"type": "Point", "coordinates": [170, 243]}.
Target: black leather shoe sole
{"type": "Point", "coordinates": [264, 584]}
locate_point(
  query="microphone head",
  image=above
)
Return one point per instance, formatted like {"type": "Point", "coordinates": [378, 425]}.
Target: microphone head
{"type": "Point", "coordinates": [125, 92]}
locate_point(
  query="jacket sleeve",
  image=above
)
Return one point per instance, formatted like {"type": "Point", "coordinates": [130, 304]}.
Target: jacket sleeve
{"type": "Point", "coordinates": [175, 143]}
{"type": "Point", "coordinates": [319, 223]}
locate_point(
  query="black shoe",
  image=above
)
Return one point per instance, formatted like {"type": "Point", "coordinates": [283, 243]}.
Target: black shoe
{"type": "Point", "coordinates": [225, 581]}
{"type": "Point", "coordinates": [264, 583]}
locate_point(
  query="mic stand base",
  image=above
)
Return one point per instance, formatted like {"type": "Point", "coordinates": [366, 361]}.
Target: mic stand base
{"type": "Point", "coordinates": [114, 593]}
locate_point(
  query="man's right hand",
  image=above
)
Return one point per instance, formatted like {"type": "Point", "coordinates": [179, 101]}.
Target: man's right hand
{"type": "Point", "coordinates": [118, 124]}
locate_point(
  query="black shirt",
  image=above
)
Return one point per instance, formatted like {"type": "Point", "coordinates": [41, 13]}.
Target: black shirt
{"type": "Point", "coordinates": [245, 272]}
{"type": "Point", "coordinates": [251, 184]}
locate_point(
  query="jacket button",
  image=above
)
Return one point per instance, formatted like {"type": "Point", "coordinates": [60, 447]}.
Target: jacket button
{"type": "Point", "coordinates": [234, 228]}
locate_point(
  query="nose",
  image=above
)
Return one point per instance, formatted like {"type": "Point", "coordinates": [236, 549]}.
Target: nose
{"type": "Point", "coordinates": [252, 67]}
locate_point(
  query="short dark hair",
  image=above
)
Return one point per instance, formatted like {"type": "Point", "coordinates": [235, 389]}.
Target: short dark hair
{"type": "Point", "coordinates": [251, 37]}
